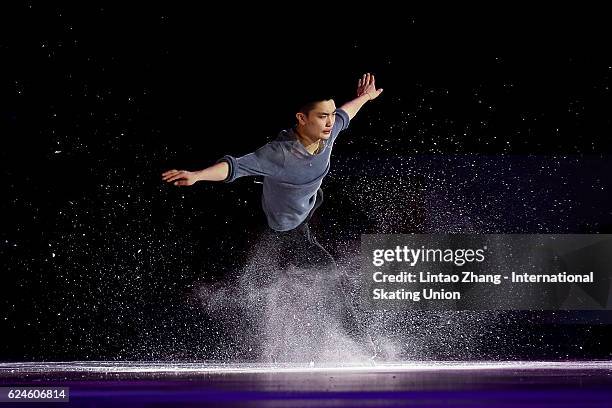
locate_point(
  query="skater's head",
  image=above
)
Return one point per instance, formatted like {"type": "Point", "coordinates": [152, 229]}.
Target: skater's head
{"type": "Point", "coordinates": [315, 118]}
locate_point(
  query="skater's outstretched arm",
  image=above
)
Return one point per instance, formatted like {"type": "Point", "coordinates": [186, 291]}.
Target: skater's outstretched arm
{"type": "Point", "coordinates": [216, 172]}
{"type": "Point", "coordinates": [266, 161]}
{"type": "Point", "coordinates": [366, 91]}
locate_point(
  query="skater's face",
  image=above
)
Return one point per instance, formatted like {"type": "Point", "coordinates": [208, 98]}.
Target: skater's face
{"type": "Point", "coordinates": [318, 122]}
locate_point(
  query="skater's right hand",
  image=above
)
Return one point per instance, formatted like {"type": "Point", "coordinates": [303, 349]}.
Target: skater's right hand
{"type": "Point", "coordinates": [180, 177]}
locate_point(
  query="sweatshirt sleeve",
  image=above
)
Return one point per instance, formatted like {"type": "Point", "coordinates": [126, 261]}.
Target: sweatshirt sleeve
{"type": "Point", "coordinates": [341, 123]}
{"type": "Point", "coordinates": [266, 161]}
{"type": "Point", "coordinates": [342, 119]}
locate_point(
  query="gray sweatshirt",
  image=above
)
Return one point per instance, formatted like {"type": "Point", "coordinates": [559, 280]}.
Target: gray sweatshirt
{"type": "Point", "coordinates": [292, 176]}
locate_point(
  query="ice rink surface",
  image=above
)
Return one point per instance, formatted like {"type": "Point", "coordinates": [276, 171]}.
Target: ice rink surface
{"type": "Point", "coordinates": [419, 383]}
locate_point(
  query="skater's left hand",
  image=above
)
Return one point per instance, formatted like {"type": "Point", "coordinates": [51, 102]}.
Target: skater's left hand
{"type": "Point", "coordinates": [367, 85]}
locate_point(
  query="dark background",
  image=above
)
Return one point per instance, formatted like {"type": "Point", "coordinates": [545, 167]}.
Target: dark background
{"type": "Point", "coordinates": [496, 124]}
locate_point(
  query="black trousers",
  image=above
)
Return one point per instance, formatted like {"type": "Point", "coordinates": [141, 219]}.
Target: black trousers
{"type": "Point", "coordinates": [297, 254]}
{"type": "Point", "coordinates": [298, 247]}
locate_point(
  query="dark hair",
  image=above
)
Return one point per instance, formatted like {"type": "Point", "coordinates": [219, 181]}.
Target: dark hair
{"type": "Point", "coordinates": [301, 94]}
{"type": "Point", "coordinates": [308, 92]}
{"type": "Point", "coordinates": [306, 107]}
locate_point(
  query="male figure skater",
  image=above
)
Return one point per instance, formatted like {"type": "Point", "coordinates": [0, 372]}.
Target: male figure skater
{"type": "Point", "coordinates": [293, 166]}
